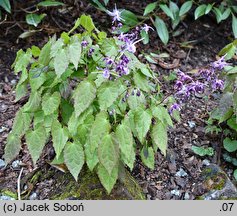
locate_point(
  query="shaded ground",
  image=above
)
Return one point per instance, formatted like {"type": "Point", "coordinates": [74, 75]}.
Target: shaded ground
{"type": "Point", "coordinates": [164, 182]}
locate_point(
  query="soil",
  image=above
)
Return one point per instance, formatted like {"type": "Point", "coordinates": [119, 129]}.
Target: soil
{"type": "Point", "coordinates": [163, 182]}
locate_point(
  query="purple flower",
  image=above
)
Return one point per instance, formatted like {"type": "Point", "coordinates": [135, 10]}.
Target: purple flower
{"type": "Point", "coordinates": [219, 64]}
{"type": "Point", "coordinates": [174, 107]}
{"type": "Point", "coordinates": [116, 14]}
{"type": "Point", "coordinates": [84, 43]}
{"type": "Point", "coordinates": [90, 52]}
{"type": "Point", "coordinates": [207, 73]}
{"type": "Point", "coordinates": [106, 73]}
{"type": "Point", "coordinates": [120, 25]}
{"type": "Point", "coordinates": [183, 77]}
{"type": "Point", "coordinates": [124, 59]}
{"type": "Point", "coordinates": [199, 87]}
{"type": "Point", "coordinates": [108, 61]}
{"type": "Point", "coordinates": [218, 84]}
{"type": "Point", "coordinates": [178, 85]}
{"type": "Point", "coordinates": [146, 28]}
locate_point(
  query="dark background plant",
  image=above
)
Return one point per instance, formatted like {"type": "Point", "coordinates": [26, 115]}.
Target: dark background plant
{"type": "Point", "coordinates": [165, 16]}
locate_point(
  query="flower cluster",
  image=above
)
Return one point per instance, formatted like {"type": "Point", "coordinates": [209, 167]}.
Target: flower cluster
{"type": "Point", "coordinates": [120, 64]}
{"type": "Point", "coordinates": [208, 77]}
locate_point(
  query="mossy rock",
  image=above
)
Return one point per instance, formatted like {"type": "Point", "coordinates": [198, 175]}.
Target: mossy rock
{"type": "Point", "coordinates": [89, 187]}
{"type": "Point", "coordinates": [217, 184]}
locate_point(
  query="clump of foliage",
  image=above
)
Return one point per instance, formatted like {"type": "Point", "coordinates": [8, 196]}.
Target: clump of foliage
{"type": "Point", "coordinates": [160, 11]}
{"type": "Point", "coordinates": [226, 111]}
{"type": "Point", "coordinates": [32, 18]}
{"type": "Point", "coordinates": [97, 102]}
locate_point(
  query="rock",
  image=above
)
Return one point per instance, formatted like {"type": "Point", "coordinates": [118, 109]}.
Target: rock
{"type": "Point", "coordinates": [3, 197]}
{"type": "Point", "coordinates": [175, 192]}
{"type": "Point", "coordinates": [206, 162]}
{"type": "Point", "coordinates": [15, 164]}
{"type": "Point", "coordinates": [186, 196]}
{"type": "Point", "coordinates": [2, 163]}
{"type": "Point", "coordinates": [2, 129]}
{"type": "Point", "coordinates": [191, 124]}
{"type": "Point", "coordinates": [181, 173]}
{"type": "Point", "coordinates": [33, 196]}
{"type": "Point", "coordinates": [217, 184]}
{"type": "Point", "coordinates": [89, 187]}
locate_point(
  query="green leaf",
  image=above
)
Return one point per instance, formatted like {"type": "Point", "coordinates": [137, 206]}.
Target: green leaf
{"type": "Point", "coordinates": [201, 151]}
{"type": "Point", "coordinates": [74, 51]}
{"type": "Point", "coordinates": [135, 101]}
{"type": "Point", "coordinates": [106, 2]}
{"type": "Point", "coordinates": [226, 14]}
{"type": "Point", "coordinates": [50, 3]}
{"type": "Point", "coordinates": [147, 156]}
{"type": "Point", "coordinates": [36, 141]}
{"type": "Point", "coordinates": [44, 57]}
{"type": "Point", "coordinates": [60, 137]}
{"type": "Point", "coordinates": [21, 123]}
{"type": "Point", "coordinates": [35, 51]}
{"type": "Point", "coordinates": [228, 50]}
{"type": "Point", "coordinates": [167, 11]}
{"type": "Point", "coordinates": [162, 30]}
{"type": "Point", "coordinates": [108, 93]}
{"type": "Point", "coordinates": [232, 123]}
{"type": "Point", "coordinates": [108, 153]}
{"type": "Point", "coordinates": [208, 8]}
{"type": "Point", "coordinates": [34, 19]}
{"type": "Point", "coordinates": [61, 62]}
{"type": "Point", "coordinates": [141, 81]}
{"type": "Point", "coordinates": [234, 25]}
{"type": "Point", "coordinates": [200, 11]}
{"type": "Point", "coordinates": [74, 121]}
{"type": "Point", "coordinates": [97, 3]}
{"type": "Point", "coordinates": [33, 103]}
{"type": "Point", "coordinates": [109, 47]}
{"type": "Point", "coordinates": [56, 47]}
{"type": "Point", "coordinates": [12, 147]}
{"type": "Point", "coordinates": [224, 109]}
{"type": "Point", "coordinates": [87, 23]}
{"type": "Point", "coordinates": [99, 129]}
{"type": "Point", "coordinates": [142, 120]}
{"type": "Point", "coordinates": [129, 18]}
{"type": "Point", "coordinates": [145, 37]}
{"type": "Point", "coordinates": [159, 137]}
{"type": "Point", "coordinates": [74, 157]}
{"type": "Point", "coordinates": [6, 5]}
{"type": "Point", "coordinates": [161, 113]}
{"type": "Point", "coordinates": [150, 8]}
{"type": "Point", "coordinates": [106, 179]}
{"type": "Point", "coordinates": [230, 145]}
{"type": "Point", "coordinates": [66, 110]}
{"type": "Point", "coordinates": [235, 174]}
{"type": "Point", "coordinates": [37, 81]}
{"type": "Point", "coordinates": [50, 103]}
{"type": "Point", "coordinates": [146, 71]}
{"type": "Point", "coordinates": [174, 8]}
{"type": "Point", "coordinates": [185, 8]}
{"type": "Point", "coordinates": [22, 60]}
{"type": "Point", "coordinates": [83, 96]}
{"type": "Point", "coordinates": [21, 91]}
{"type": "Point", "coordinates": [218, 14]}
{"type": "Point", "coordinates": [125, 139]}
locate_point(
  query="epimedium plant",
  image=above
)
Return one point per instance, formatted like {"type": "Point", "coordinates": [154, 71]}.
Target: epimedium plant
{"type": "Point", "coordinates": [97, 102]}
{"type": "Point", "coordinates": [223, 118]}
